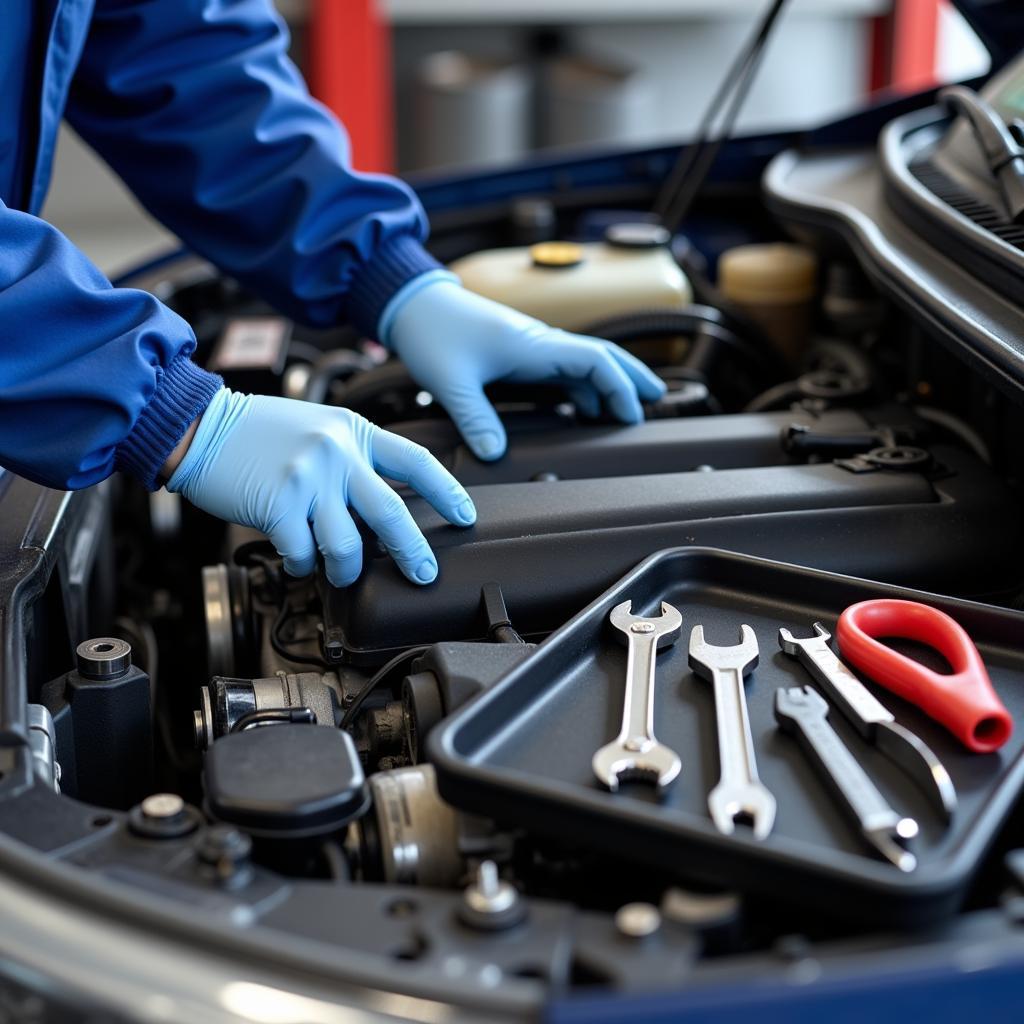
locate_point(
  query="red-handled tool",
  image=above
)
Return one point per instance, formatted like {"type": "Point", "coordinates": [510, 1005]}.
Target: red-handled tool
{"type": "Point", "coordinates": [964, 701]}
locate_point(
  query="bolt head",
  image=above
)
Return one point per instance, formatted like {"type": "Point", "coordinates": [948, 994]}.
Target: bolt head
{"type": "Point", "coordinates": [638, 920]}
{"type": "Point", "coordinates": [490, 895]}
{"type": "Point", "coordinates": [224, 847]}
{"type": "Point", "coordinates": [642, 627]}
{"type": "Point", "coordinates": [906, 828]}
{"type": "Point", "coordinates": [490, 903]}
{"type": "Point", "coordinates": [103, 658]}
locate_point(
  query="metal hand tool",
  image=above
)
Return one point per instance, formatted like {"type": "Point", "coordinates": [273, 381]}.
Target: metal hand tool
{"type": "Point", "coordinates": [804, 712]}
{"type": "Point", "coordinates": [635, 753]}
{"type": "Point", "coordinates": [870, 718]}
{"type": "Point", "coordinates": [739, 794]}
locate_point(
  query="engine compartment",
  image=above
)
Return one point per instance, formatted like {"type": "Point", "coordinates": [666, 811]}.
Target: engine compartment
{"type": "Point", "coordinates": [262, 751]}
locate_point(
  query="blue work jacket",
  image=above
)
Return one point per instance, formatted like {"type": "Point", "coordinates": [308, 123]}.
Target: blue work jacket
{"type": "Point", "coordinates": [195, 104]}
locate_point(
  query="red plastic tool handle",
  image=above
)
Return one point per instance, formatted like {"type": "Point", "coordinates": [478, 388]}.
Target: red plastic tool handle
{"type": "Point", "coordinates": [964, 701]}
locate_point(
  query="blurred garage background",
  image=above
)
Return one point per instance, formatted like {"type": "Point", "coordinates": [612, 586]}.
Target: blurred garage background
{"type": "Point", "coordinates": [428, 85]}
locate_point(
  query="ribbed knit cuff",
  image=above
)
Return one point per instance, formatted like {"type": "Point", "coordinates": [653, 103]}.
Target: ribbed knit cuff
{"type": "Point", "coordinates": [399, 261]}
{"type": "Point", "coordinates": [183, 391]}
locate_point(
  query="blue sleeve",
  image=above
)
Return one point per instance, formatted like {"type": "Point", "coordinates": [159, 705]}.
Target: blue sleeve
{"type": "Point", "coordinates": [195, 104]}
{"type": "Point", "coordinates": [92, 378]}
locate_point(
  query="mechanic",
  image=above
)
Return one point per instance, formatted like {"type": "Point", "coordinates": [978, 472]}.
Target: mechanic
{"type": "Point", "coordinates": [195, 104]}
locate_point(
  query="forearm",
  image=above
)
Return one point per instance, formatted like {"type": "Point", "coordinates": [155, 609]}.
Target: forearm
{"type": "Point", "coordinates": [223, 144]}
{"type": "Point", "coordinates": [92, 378]}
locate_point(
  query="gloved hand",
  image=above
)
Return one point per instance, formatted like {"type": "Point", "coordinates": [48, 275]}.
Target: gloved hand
{"type": "Point", "coordinates": [292, 470]}
{"type": "Point", "coordinates": [454, 342]}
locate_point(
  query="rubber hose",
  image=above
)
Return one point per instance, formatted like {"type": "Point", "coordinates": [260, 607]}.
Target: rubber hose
{"type": "Point", "coordinates": [957, 427]}
{"type": "Point", "coordinates": [706, 294]}
{"type": "Point", "coordinates": [364, 387]}
{"type": "Point", "coordinates": [341, 362]}
{"type": "Point", "coordinates": [303, 351]}
{"type": "Point", "coordinates": [704, 321]}
{"type": "Point", "coordinates": [777, 396]}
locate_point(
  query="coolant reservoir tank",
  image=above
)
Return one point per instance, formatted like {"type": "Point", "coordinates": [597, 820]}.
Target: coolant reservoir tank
{"type": "Point", "coordinates": [571, 285]}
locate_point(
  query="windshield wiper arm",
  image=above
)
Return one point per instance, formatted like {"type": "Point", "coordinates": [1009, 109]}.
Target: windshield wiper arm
{"type": "Point", "coordinates": [1003, 153]}
{"type": "Point", "coordinates": [695, 160]}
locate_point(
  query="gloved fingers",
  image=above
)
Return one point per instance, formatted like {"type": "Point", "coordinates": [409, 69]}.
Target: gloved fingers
{"type": "Point", "coordinates": [649, 385]}
{"type": "Point", "coordinates": [339, 541]}
{"type": "Point", "coordinates": [595, 363]}
{"type": "Point", "coordinates": [294, 543]}
{"type": "Point", "coordinates": [386, 514]}
{"type": "Point", "coordinates": [584, 397]}
{"type": "Point", "coordinates": [401, 459]}
{"type": "Point", "coordinates": [475, 418]}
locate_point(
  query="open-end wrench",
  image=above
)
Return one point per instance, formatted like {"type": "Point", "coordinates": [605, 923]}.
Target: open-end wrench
{"type": "Point", "coordinates": [804, 712]}
{"type": "Point", "coordinates": [739, 794]}
{"type": "Point", "coordinates": [871, 719]}
{"type": "Point", "coordinates": [635, 753]}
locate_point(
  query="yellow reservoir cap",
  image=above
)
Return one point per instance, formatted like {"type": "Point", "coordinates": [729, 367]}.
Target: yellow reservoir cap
{"type": "Point", "coordinates": [556, 255]}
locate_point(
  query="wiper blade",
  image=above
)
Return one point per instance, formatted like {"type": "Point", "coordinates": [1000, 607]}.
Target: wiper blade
{"type": "Point", "coordinates": [1003, 153]}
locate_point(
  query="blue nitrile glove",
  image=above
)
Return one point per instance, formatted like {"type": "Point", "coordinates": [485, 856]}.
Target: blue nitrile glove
{"type": "Point", "coordinates": [292, 470]}
{"type": "Point", "coordinates": [454, 342]}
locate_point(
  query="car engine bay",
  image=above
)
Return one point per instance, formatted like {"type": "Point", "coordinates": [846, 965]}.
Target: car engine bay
{"type": "Point", "coordinates": [207, 731]}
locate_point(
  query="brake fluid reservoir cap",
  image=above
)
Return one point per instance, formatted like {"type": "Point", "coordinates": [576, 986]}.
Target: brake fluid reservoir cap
{"type": "Point", "coordinates": [285, 781]}
{"type": "Point", "coordinates": [556, 255]}
{"type": "Point", "coordinates": [776, 273]}
{"type": "Point", "coordinates": [637, 235]}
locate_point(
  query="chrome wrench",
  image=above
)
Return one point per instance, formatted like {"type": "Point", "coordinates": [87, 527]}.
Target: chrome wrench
{"type": "Point", "coordinates": [804, 712]}
{"type": "Point", "coordinates": [871, 718]}
{"type": "Point", "coordinates": [635, 753]}
{"type": "Point", "coordinates": [739, 794]}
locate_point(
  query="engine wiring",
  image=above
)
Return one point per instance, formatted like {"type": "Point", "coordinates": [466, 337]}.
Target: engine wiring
{"type": "Point", "coordinates": [375, 680]}
{"type": "Point", "coordinates": [260, 553]}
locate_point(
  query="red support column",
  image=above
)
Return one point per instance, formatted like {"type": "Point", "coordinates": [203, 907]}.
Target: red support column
{"type": "Point", "coordinates": [904, 46]}
{"type": "Point", "coordinates": [350, 72]}
{"type": "Point", "coordinates": [917, 40]}
{"type": "Point", "coordinates": [879, 45]}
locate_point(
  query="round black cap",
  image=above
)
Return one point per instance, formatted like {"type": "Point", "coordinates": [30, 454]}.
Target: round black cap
{"type": "Point", "coordinates": [287, 780]}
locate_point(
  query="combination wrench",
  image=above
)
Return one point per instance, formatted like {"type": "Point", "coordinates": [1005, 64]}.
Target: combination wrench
{"type": "Point", "coordinates": [739, 795]}
{"type": "Point", "coordinates": [804, 712]}
{"type": "Point", "coordinates": [870, 717]}
{"type": "Point", "coordinates": [635, 753]}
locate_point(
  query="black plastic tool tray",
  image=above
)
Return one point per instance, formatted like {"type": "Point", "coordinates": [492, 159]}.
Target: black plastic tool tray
{"type": "Point", "coordinates": [521, 752]}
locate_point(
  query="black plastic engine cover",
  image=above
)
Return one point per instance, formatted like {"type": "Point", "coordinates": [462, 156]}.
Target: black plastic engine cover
{"type": "Point", "coordinates": [546, 446]}
{"type": "Point", "coordinates": [554, 546]}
